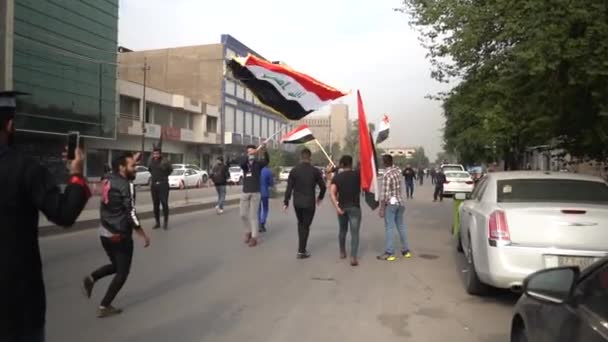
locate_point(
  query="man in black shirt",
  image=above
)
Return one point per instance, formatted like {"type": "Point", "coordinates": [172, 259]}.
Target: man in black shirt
{"type": "Point", "coordinates": [27, 189]}
{"type": "Point", "coordinates": [410, 175]}
{"type": "Point", "coordinates": [302, 183]}
{"type": "Point", "coordinates": [252, 167]}
{"type": "Point", "coordinates": [439, 181]}
{"type": "Point", "coordinates": [160, 171]}
{"type": "Point", "coordinates": [118, 221]}
{"type": "Point", "coordinates": [345, 195]}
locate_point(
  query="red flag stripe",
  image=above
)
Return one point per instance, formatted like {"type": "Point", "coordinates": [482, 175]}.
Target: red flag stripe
{"type": "Point", "coordinates": [322, 90]}
{"type": "Point", "coordinates": [368, 168]}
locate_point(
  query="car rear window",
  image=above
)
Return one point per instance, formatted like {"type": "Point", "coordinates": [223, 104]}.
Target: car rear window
{"type": "Point", "coordinates": [552, 190]}
{"type": "Point", "coordinates": [177, 172]}
{"type": "Point", "coordinates": [235, 169]}
{"type": "Point", "coordinates": [457, 175]}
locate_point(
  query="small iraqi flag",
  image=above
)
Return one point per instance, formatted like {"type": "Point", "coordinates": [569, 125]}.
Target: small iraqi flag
{"type": "Point", "coordinates": [291, 93]}
{"type": "Point", "coordinates": [383, 130]}
{"type": "Point", "coordinates": [299, 135]}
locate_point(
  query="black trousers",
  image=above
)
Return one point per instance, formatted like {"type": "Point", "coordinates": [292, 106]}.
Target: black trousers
{"type": "Point", "coordinates": [160, 196]}
{"type": "Point", "coordinates": [121, 255]}
{"type": "Point", "coordinates": [305, 217]}
{"type": "Point", "coordinates": [438, 195]}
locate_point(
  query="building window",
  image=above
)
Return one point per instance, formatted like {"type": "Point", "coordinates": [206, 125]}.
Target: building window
{"type": "Point", "coordinates": [229, 118]}
{"type": "Point", "coordinates": [211, 124]}
{"type": "Point", "coordinates": [191, 120]}
{"type": "Point", "coordinates": [264, 127]}
{"type": "Point", "coordinates": [256, 126]}
{"type": "Point", "coordinates": [240, 121]}
{"type": "Point", "coordinates": [230, 87]}
{"type": "Point", "coordinates": [97, 162]}
{"type": "Point", "coordinates": [248, 123]}
{"type": "Point", "coordinates": [248, 95]}
{"type": "Point", "coordinates": [129, 108]}
{"type": "Point", "coordinates": [162, 114]}
{"type": "Point", "coordinates": [180, 119]}
{"type": "Point", "coordinates": [240, 91]}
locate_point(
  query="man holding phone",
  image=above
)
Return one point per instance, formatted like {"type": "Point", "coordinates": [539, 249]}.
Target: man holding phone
{"type": "Point", "coordinates": [28, 188]}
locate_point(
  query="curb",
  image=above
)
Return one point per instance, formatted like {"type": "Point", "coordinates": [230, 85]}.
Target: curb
{"type": "Point", "coordinates": [94, 223]}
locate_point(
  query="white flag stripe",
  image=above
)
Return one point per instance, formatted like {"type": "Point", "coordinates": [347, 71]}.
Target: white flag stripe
{"type": "Point", "coordinates": [291, 89]}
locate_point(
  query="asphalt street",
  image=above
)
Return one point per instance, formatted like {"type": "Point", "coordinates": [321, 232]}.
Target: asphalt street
{"type": "Point", "coordinates": [199, 282]}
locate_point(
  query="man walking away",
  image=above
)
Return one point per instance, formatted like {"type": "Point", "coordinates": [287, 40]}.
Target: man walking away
{"type": "Point", "coordinates": [160, 171]}
{"type": "Point", "coordinates": [410, 177]}
{"type": "Point", "coordinates": [302, 183]}
{"type": "Point", "coordinates": [421, 175]}
{"type": "Point", "coordinates": [27, 189]}
{"type": "Point", "coordinates": [118, 221]}
{"type": "Point", "coordinates": [220, 175]}
{"type": "Point", "coordinates": [267, 182]}
{"type": "Point", "coordinates": [250, 199]}
{"type": "Point", "coordinates": [345, 195]}
{"type": "Point", "coordinates": [439, 181]}
{"type": "Point", "coordinates": [392, 210]}
{"type": "Point", "coordinates": [433, 175]}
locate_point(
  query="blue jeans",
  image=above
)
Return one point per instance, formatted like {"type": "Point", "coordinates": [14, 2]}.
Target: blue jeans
{"type": "Point", "coordinates": [264, 209]}
{"type": "Point", "coordinates": [352, 218]}
{"type": "Point", "coordinates": [409, 188]}
{"type": "Point", "coordinates": [394, 219]}
{"type": "Point", "coordinates": [221, 196]}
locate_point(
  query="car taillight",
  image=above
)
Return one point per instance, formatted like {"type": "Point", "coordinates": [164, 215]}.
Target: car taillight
{"type": "Point", "coordinates": [498, 229]}
{"type": "Point", "coordinates": [469, 182]}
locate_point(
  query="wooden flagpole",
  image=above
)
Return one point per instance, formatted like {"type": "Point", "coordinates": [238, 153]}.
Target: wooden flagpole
{"type": "Point", "coordinates": [325, 153]}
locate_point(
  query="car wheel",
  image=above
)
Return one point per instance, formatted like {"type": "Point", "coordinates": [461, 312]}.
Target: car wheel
{"type": "Point", "coordinates": [474, 286]}
{"type": "Point", "coordinates": [205, 179]}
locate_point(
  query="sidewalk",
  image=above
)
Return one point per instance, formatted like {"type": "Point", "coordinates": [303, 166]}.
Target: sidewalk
{"type": "Point", "coordinates": [89, 218]}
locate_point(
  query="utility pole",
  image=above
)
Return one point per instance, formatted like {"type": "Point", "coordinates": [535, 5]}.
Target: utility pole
{"type": "Point", "coordinates": [144, 109]}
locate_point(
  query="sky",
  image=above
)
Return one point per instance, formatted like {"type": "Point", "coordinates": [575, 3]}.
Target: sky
{"type": "Point", "coordinates": [348, 44]}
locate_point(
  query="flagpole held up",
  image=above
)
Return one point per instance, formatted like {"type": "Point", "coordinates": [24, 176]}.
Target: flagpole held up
{"type": "Point", "coordinates": [325, 153]}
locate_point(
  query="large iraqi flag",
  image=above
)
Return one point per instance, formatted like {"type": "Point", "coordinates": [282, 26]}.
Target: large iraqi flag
{"type": "Point", "coordinates": [287, 91]}
{"type": "Point", "coordinates": [367, 158]}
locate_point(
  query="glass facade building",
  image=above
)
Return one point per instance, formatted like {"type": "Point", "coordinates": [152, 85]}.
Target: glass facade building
{"type": "Point", "coordinates": [64, 55]}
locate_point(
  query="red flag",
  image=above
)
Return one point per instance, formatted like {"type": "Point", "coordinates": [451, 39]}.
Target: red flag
{"type": "Point", "coordinates": [369, 180]}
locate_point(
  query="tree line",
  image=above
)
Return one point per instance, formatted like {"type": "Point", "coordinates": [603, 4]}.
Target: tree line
{"type": "Point", "coordinates": [529, 73]}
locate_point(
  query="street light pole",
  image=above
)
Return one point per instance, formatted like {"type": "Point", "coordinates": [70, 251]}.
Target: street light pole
{"type": "Point", "coordinates": [144, 109]}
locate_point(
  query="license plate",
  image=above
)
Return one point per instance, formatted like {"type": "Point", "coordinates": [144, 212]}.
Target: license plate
{"type": "Point", "coordinates": [564, 260]}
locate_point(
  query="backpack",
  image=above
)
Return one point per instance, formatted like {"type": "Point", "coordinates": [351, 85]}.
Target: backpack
{"type": "Point", "coordinates": [218, 175]}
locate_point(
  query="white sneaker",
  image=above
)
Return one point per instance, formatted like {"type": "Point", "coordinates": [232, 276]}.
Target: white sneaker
{"type": "Point", "coordinates": [220, 211]}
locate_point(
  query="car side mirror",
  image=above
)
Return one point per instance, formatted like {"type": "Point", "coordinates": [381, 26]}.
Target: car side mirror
{"type": "Point", "coordinates": [553, 285]}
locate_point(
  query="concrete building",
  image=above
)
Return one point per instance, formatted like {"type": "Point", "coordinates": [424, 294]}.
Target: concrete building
{"type": "Point", "coordinates": [199, 72]}
{"type": "Point", "coordinates": [64, 55]}
{"type": "Point", "coordinates": [189, 128]}
{"type": "Point", "coordinates": [331, 128]}
{"type": "Point", "coordinates": [407, 152]}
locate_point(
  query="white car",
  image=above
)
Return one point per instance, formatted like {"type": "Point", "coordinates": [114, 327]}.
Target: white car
{"type": "Point", "coordinates": [284, 174]}
{"type": "Point", "coordinates": [184, 178]}
{"type": "Point", "coordinates": [457, 181]}
{"type": "Point", "coordinates": [236, 175]}
{"type": "Point", "coordinates": [451, 167]}
{"type": "Point", "coordinates": [520, 222]}
{"type": "Point", "coordinates": [203, 173]}
{"type": "Point", "coordinates": [142, 176]}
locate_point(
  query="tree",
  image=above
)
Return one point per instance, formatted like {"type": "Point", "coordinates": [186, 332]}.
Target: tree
{"type": "Point", "coordinates": [419, 159]}
{"type": "Point", "coordinates": [352, 139]}
{"type": "Point", "coordinates": [531, 72]}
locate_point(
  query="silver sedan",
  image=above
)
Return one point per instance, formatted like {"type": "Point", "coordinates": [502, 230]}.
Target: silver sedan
{"type": "Point", "coordinates": [517, 223]}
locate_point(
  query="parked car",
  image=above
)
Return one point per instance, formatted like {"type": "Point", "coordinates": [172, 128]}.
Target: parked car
{"type": "Point", "coordinates": [236, 175]}
{"type": "Point", "coordinates": [517, 223]}
{"type": "Point", "coordinates": [184, 178]}
{"type": "Point", "coordinates": [284, 174]}
{"type": "Point", "coordinates": [142, 176]}
{"type": "Point", "coordinates": [204, 174]}
{"type": "Point", "coordinates": [452, 167]}
{"type": "Point", "coordinates": [457, 181]}
{"type": "Point", "coordinates": [563, 304]}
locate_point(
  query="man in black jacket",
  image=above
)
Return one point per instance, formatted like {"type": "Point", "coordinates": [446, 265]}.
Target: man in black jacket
{"type": "Point", "coordinates": [160, 171]}
{"type": "Point", "coordinates": [118, 221]}
{"type": "Point", "coordinates": [252, 167]}
{"type": "Point", "coordinates": [27, 188]}
{"type": "Point", "coordinates": [302, 183]}
{"type": "Point", "coordinates": [220, 175]}
{"type": "Point", "coordinates": [439, 181]}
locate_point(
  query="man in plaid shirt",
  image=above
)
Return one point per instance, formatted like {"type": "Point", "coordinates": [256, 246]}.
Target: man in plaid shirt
{"type": "Point", "coordinates": [392, 210]}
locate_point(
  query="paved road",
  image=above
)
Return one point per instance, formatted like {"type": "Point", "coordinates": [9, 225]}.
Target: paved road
{"type": "Point", "coordinates": [198, 282]}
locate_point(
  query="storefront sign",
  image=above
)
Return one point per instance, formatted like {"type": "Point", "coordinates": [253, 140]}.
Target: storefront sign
{"type": "Point", "coordinates": [171, 133]}
{"type": "Point", "coordinates": [153, 131]}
